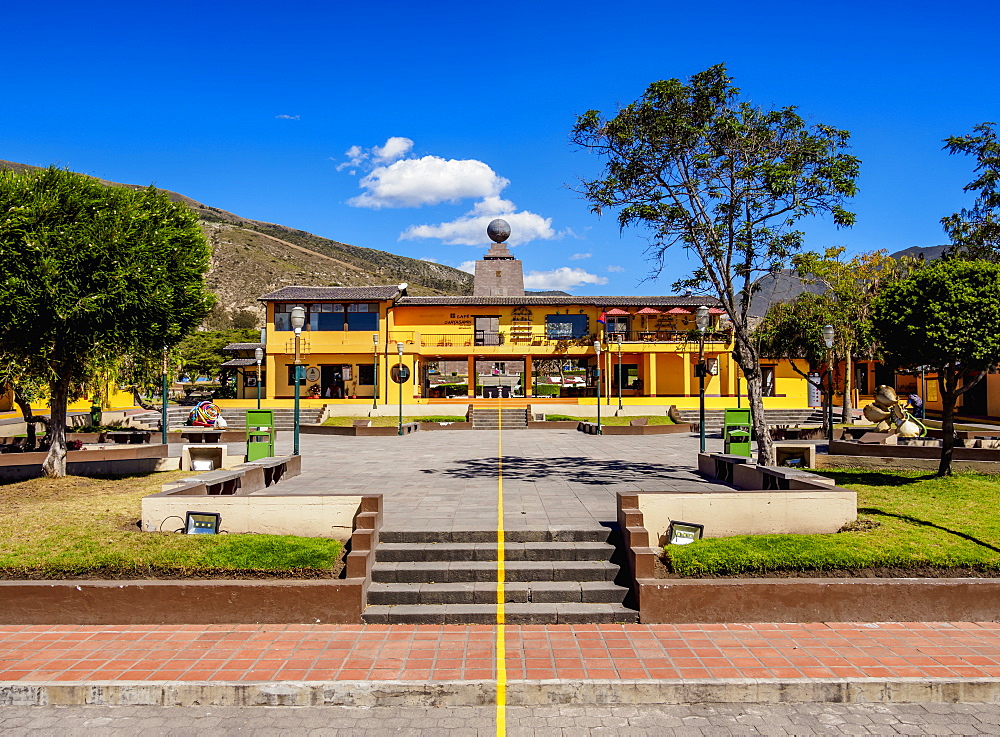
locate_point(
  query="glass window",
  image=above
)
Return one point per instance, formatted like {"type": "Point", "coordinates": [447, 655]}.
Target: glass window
{"type": "Point", "coordinates": [330, 321]}
{"type": "Point", "coordinates": [291, 375]}
{"type": "Point", "coordinates": [366, 374]}
{"type": "Point", "coordinates": [560, 327]}
{"type": "Point", "coordinates": [362, 320]}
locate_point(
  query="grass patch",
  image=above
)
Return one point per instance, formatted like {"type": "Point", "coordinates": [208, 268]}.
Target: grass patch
{"type": "Point", "coordinates": [907, 520]}
{"type": "Point", "coordinates": [390, 421]}
{"type": "Point", "coordinates": [612, 420]}
{"type": "Point", "coordinates": [78, 527]}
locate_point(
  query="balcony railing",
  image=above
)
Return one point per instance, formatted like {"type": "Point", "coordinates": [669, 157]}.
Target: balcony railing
{"type": "Point", "coordinates": [666, 336]}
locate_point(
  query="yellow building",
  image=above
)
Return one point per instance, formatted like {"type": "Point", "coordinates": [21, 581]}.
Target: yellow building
{"type": "Point", "coordinates": [521, 344]}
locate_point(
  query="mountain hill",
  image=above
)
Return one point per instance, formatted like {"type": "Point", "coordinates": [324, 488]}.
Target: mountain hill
{"type": "Point", "coordinates": [251, 258]}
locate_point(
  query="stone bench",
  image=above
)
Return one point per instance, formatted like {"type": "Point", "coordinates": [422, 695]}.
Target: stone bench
{"type": "Point", "coordinates": [721, 465]}
{"type": "Point", "coordinates": [221, 483]}
{"type": "Point", "coordinates": [127, 437]}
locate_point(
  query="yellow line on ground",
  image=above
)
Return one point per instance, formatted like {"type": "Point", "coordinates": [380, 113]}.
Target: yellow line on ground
{"type": "Point", "coordinates": [501, 647]}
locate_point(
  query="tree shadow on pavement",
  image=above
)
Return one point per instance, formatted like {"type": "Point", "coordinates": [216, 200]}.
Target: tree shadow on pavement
{"type": "Point", "coordinates": [580, 470]}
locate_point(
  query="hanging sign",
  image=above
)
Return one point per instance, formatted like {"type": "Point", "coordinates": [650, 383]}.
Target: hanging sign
{"type": "Point", "coordinates": [312, 374]}
{"type": "Point", "coordinates": [399, 373]}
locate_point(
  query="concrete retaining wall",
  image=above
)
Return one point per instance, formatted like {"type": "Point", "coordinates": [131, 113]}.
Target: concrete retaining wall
{"type": "Point", "coordinates": [113, 460]}
{"type": "Point", "coordinates": [408, 427]}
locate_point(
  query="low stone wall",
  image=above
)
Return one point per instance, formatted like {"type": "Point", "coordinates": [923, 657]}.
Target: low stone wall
{"type": "Point", "coordinates": [553, 425]}
{"type": "Point", "coordinates": [408, 427]}
{"type": "Point", "coordinates": [279, 601]}
{"type": "Point", "coordinates": [113, 460]}
{"type": "Point", "coordinates": [591, 429]}
{"type": "Point", "coordinates": [847, 448]}
{"type": "Point", "coordinates": [434, 426]}
{"type": "Point", "coordinates": [881, 463]}
{"type": "Point", "coordinates": [719, 600]}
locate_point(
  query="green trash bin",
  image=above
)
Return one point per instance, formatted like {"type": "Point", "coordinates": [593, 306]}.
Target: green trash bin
{"type": "Point", "coordinates": [736, 431]}
{"type": "Point", "coordinates": [260, 434]}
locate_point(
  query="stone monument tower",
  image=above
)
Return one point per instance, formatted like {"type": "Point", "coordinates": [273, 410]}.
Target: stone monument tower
{"type": "Point", "coordinates": [498, 273]}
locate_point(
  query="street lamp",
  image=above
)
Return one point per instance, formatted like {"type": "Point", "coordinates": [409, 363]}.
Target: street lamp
{"type": "Point", "coordinates": [399, 380]}
{"type": "Point", "coordinates": [375, 370]}
{"type": "Point", "coordinates": [258, 354]}
{"type": "Point", "coordinates": [298, 322]}
{"type": "Point", "coordinates": [597, 350]}
{"type": "Point", "coordinates": [619, 340]}
{"type": "Point", "coordinates": [701, 320]}
{"type": "Point", "coordinates": [828, 334]}
{"type": "Point", "coordinates": [163, 409]}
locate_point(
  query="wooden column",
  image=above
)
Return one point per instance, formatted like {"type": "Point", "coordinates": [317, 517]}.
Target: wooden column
{"type": "Point", "coordinates": [472, 377]}
{"type": "Point", "coordinates": [528, 384]}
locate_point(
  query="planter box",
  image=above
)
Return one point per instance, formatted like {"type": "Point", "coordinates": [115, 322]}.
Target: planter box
{"type": "Point", "coordinates": [591, 429]}
{"type": "Point", "coordinates": [104, 461]}
{"type": "Point", "coordinates": [449, 426]}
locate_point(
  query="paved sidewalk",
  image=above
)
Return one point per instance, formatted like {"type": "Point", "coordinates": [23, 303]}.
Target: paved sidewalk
{"type": "Point", "coordinates": [267, 653]}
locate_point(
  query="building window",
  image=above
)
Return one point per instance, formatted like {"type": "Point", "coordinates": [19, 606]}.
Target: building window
{"type": "Point", "coordinates": [291, 375]}
{"type": "Point", "coordinates": [283, 316]}
{"type": "Point", "coordinates": [617, 324]}
{"type": "Point", "coordinates": [366, 374]}
{"type": "Point", "coordinates": [767, 379]}
{"type": "Point", "coordinates": [361, 316]}
{"type": "Point", "coordinates": [561, 327]}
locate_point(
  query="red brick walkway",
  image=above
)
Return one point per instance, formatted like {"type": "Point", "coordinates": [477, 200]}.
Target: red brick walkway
{"type": "Point", "coordinates": [230, 653]}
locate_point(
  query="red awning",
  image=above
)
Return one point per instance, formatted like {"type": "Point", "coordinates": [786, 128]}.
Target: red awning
{"type": "Point", "coordinates": [615, 311]}
{"type": "Point", "coordinates": [649, 311]}
{"type": "Point", "coordinates": [678, 311]}
{"type": "Point", "coordinates": [716, 311]}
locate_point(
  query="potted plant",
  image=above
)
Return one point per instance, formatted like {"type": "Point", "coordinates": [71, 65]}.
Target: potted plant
{"type": "Point", "coordinates": [314, 391]}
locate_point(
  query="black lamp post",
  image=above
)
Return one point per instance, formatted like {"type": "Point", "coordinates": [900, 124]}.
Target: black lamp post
{"type": "Point", "coordinates": [597, 350]}
{"type": "Point", "coordinates": [399, 352]}
{"type": "Point", "coordinates": [701, 320]}
{"type": "Point", "coordinates": [258, 354]}
{"type": "Point", "coordinates": [375, 370]}
{"type": "Point", "coordinates": [298, 320]}
{"type": "Point", "coordinates": [163, 409]}
{"type": "Point", "coordinates": [828, 335]}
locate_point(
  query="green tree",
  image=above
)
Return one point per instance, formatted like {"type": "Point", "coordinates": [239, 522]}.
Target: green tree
{"type": "Point", "coordinates": [90, 273]}
{"type": "Point", "coordinates": [201, 352]}
{"type": "Point", "coordinates": [975, 232]}
{"type": "Point", "coordinates": [944, 316]}
{"type": "Point", "coordinates": [701, 168]}
{"type": "Point", "coordinates": [849, 287]}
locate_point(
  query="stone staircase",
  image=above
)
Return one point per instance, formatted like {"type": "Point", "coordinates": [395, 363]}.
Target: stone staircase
{"type": "Point", "coordinates": [552, 577]}
{"type": "Point", "coordinates": [714, 417]}
{"type": "Point", "coordinates": [284, 418]}
{"type": "Point", "coordinates": [490, 416]}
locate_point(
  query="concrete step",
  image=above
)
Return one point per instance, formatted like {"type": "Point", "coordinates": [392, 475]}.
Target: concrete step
{"type": "Point", "coordinates": [482, 592]}
{"type": "Point", "coordinates": [551, 534]}
{"type": "Point", "coordinates": [487, 551]}
{"type": "Point", "coordinates": [485, 571]}
{"type": "Point", "coordinates": [557, 613]}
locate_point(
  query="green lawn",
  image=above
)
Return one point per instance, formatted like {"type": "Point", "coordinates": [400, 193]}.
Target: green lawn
{"type": "Point", "coordinates": [79, 527]}
{"type": "Point", "coordinates": [906, 520]}
{"type": "Point", "coordinates": [612, 420]}
{"type": "Point", "coordinates": [391, 421]}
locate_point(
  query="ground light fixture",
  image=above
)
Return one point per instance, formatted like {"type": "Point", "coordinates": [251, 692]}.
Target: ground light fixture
{"type": "Point", "coordinates": [399, 352]}
{"type": "Point", "coordinates": [202, 523]}
{"type": "Point", "coordinates": [597, 350]}
{"type": "Point", "coordinates": [701, 318]}
{"type": "Point", "coordinates": [298, 320]}
{"type": "Point", "coordinates": [258, 354]}
{"type": "Point", "coordinates": [828, 335]}
{"type": "Point", "coordinates": [684, 533]}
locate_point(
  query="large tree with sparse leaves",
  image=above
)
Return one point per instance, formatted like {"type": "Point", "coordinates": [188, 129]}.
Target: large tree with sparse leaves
{"type": "Point", "coordinates": [89, 274]}
{"type": "Point", "coordinates": [697, 165]}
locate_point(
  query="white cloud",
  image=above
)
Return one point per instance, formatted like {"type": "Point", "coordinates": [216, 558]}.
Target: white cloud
{"type": "Point", "coordinates": [287, 117]}
{"type": "Point", "coordinates": [563, 278]}
{"type": "Point", "coordinates": [578, 256]}
{"type": "Point", "coordinates": [470, 229]}
{"type": "Point", "coordinates": [616, 269]}
{"type": "Point", "coordinates": [395, 147]}
{"type": "Point", "coordinates": [428, 259]}
{"type": "Point", "coordinates": [430, 180]}
{"type": "Point", "coordinates": [468, 266]}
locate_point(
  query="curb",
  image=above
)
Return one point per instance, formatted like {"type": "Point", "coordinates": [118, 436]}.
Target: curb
{"type": "Point", "coordinates": [519, 693]}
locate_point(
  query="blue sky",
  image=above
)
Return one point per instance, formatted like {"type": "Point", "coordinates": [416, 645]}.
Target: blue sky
{"type": "Point", "coordinates": [457, 111]}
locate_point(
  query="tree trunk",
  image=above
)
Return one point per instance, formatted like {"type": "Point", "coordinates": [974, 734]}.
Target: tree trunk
{"type": "Point", "coordinates": [746, 357]}
{"type": "Point", "coordinates": [949, 397]}
{"type": "Point", "coordinates": [847, 412]}
{"type": "Point", "coordinates": [29, 418]}
{"type": "Point", "coordinates": [55, 462]}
